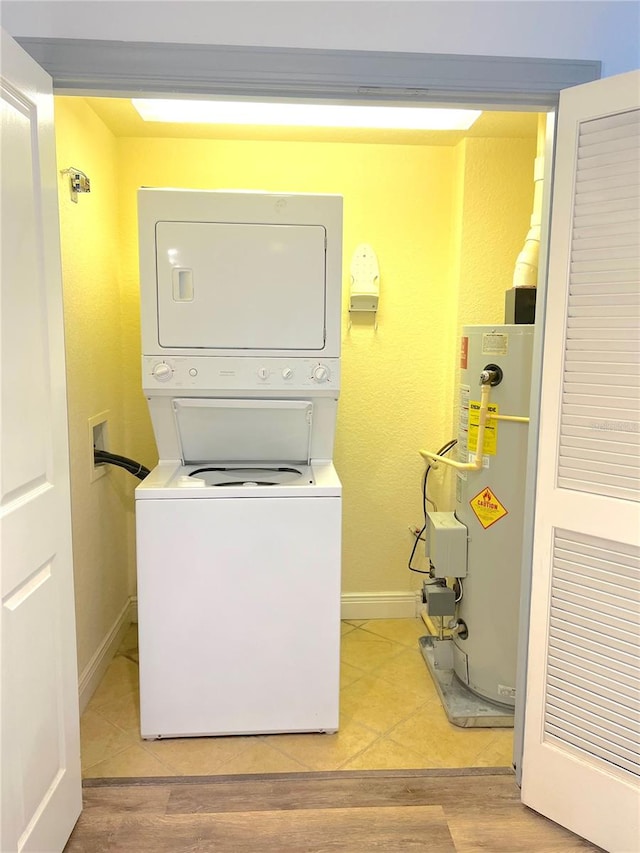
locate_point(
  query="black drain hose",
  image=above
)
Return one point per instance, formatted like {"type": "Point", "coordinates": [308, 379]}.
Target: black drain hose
{"type": "Point", "coordinates": [103, 457]}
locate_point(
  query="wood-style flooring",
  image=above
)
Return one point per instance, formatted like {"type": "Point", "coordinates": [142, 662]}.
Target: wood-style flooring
{"type": "Point", "coordinates": [436, 811]}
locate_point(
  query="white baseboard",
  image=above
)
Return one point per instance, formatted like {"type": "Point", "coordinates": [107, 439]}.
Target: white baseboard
{"type": "Point", "coordinates": [380, 605]}
{"type": "Point", "coordinates": [93, 672]}
{"type": "Point", "coordinates": [354, 605]}
{"type": "Point", "coordinates": [361, 605]}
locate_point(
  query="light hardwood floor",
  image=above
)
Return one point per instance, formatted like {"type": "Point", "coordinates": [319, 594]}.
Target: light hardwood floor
{"type": "Point", "coordinates": [435, 811]}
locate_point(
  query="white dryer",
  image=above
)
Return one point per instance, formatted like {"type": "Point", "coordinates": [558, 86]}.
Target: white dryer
{"type": "Point", "coordinates": [239, 525]}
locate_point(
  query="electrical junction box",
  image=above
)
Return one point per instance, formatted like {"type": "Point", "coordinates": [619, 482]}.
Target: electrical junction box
{"type": "Point", "coordinates": [446, 545]}
{"type": "Point", "coordinates": [440, 600]}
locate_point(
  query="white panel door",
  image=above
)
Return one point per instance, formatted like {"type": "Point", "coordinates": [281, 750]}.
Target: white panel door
{"type": "Point", "coordinates": [41, 789]}
{"type": "Point", "coordinates": [581, 759]}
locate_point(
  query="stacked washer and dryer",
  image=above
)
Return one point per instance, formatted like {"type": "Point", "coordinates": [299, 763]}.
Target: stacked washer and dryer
{"type": "Point", "coordinates": [239, 525]}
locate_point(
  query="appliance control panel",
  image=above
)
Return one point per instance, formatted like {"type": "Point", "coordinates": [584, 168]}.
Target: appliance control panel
{"type": "Point", "coordinates": [208, 373]}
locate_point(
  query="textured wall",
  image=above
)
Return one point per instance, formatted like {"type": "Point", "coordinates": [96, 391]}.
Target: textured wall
{"type": "Point", "coordinates": [90, 261]}
{"type": "Point", "coordinates": [398, 198]}
{"type": "Point", "coordinates": [494, 212]}
{"type": "Point", "coordinates": [497, 176]}
{"type": "Point", "coordinates": [411, 204]}
{"type": "Point", "coordinates": [446, 223]}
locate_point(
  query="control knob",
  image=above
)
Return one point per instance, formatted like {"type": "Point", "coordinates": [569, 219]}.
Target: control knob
{"type": "Point", "coordinates": [320, 373]}
{"type": "Point", "coordinates": [162, 371]}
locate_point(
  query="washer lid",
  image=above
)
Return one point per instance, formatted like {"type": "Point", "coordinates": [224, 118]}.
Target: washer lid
{"type": "Point", "coordinates": [243, 430]}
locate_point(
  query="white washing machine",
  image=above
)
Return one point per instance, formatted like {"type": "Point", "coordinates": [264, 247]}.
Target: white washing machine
{"type": "Point", "coordinates": [239, 525]}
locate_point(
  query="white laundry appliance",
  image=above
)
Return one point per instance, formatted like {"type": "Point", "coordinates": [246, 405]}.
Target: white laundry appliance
{"type": "Point", "coordinates": [239, 525]}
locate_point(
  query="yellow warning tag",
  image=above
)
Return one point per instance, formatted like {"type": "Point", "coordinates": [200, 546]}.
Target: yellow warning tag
{"type": "Point", "coordinates": [487, 508]}
{"type": "Point", "coordinates": [490, 430]}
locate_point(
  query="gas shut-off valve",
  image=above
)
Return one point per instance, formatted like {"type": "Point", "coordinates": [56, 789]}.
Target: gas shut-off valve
{"type": "Point", "coordinates": [459, 628]}
{"type": "Point", "coordinates": [490, 376]}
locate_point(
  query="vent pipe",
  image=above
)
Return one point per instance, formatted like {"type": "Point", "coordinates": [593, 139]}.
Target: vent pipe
{"type": "Point", "coordinates": [526, 271]}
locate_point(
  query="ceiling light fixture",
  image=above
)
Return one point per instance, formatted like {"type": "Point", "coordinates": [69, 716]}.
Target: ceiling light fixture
{"type": "Point", "coordinates": [290, 114]}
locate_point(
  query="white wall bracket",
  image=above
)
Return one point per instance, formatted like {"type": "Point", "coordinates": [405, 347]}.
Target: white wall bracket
{"type": "Point", "coordinates": [365, 282]}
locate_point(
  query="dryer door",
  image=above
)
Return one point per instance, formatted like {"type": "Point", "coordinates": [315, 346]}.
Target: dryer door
{"type": "Point", "coordinates": [241, 286]}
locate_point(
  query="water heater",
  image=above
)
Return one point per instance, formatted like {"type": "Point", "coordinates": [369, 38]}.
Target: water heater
{"type": "Point", "coordinates": [477, 549]}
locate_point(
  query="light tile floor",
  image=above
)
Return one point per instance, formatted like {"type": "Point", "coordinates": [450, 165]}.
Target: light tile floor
{"type": "Point", "coordinates": [390, 719]}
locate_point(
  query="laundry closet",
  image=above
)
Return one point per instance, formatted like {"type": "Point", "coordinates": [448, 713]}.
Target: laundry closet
{"type": "Point", "coordinates": [446, 214]}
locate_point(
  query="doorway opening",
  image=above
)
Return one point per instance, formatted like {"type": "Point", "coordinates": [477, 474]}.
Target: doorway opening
{"type": "Point", "coordinates": [447, 214]}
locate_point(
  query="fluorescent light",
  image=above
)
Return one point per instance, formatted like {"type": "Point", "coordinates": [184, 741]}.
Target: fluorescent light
{"type": "Point", "coordinates": [304, 114]}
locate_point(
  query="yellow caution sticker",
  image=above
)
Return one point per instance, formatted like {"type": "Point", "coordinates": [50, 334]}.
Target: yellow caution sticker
{"type": "Point", "coordinates": [490, 430]}
{"type": "Point", "coordinates": [487, 508]}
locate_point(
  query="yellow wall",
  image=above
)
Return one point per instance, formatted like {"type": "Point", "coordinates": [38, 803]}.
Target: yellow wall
{"type": "Point", "coordinates": [495, 180]}
{"type": "Point", "coordinates": [90, 271]}
{"type": "Point", "coordinates": [446, 223]}
{"type": "Point", "coordinates": [423, 209]}
{"type": "Point", "coordinates": [398, 199]}
{"type": "Point", "coordinates": [497, 176]}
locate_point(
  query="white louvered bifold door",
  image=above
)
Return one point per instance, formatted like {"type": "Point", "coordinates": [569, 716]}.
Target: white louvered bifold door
{"type": "Point", "coordinates": [600, 422]}
{"type": "Point", "coordinates": [581, 759]}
